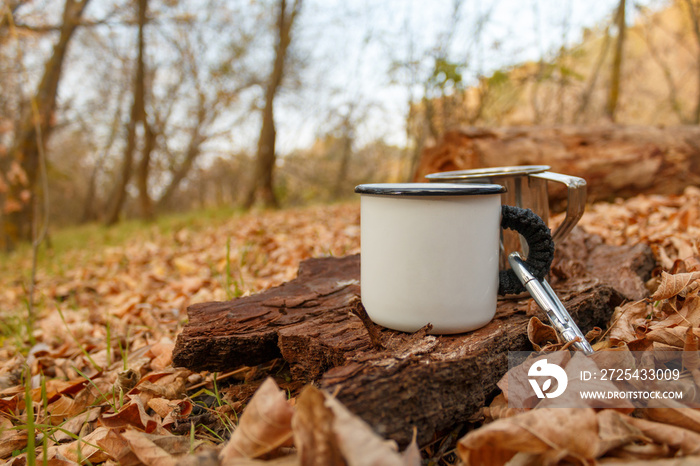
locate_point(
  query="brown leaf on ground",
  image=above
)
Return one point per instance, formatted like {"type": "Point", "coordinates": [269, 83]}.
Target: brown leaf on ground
{"type": "Point", "coordinates": [498, 409]}
{"type": "Point", "coordinates": [132, 447]}
{"type": "Point", "coordinates": [691, 358]}
{"type": "Point", "coordinates": [627, 320]}
{"type": "Point", "coordinates": [614, 432]}
{"type": "Point", "coordinates": [86, 448]}
{"type": "Point", "coordinates": [118, 448]}
{"type": "Point", "coordinates": [146, 451]}
{"type": "Point", "coordinates": [672, 412]}
{"type": "Point", "coordinates": [75, 424]}
{"type": "Point", "coordinates": [516, 381]}
{"type": "Point", "coordinates": [540, 334]}
{"type": "Point", "coordinates": [162, 353]}
{"type": "Point", "coordinates": [685, 461]}
{"type": "Point", "coordinates": [685, 441]}
{"type": "Point", "coordinates": [11, 440]}
{"type": "Point", "coordinates": [411, 455]}
{"type": "Point", "coordinates": [169, 385]}
{"type": "Point", "coordinates": [594, 333]}
{"type": "Point", "coordinates": [569, 432]}
{"type": "Point", "coordinates": [180, 411]}
{"type": "Point", "coordinates": [9, 404]}
{"type": "Point", "coordinates": [675, 336]}
{"type": "Point", "coordinates": [314, 438]}
{"type": "Point", "coordinates": [161, 406]}
{"type": "Point", "coordinates": [126, 380]}
{"type": "Point", "coordinates": [360, 445]}
{"type": "Point", "coordinates": [132, 414]}
{"type": "Point", "coordinates": [265, 425]}
{"type": "Point", "coordinates": [692, 263]}
{"type": "Point", "coordinates": [674, 285]}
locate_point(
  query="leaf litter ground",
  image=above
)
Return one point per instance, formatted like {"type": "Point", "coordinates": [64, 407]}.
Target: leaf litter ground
{"type": "Point", "coordinates": [94, 380]}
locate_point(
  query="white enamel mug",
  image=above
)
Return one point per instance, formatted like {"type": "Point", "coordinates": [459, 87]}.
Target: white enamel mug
{"type": "Point", "coordinates": [430, 253]}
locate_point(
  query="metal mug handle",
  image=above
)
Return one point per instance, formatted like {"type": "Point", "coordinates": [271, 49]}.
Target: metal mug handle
{"type": "Point", "coordinates": [576, 201]}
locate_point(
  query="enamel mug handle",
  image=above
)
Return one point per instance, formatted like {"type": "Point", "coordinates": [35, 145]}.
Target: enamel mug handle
{"type": "Point", "coordinates": [539, 242]}
{"type": "Point", "coordinates": [576, 201]}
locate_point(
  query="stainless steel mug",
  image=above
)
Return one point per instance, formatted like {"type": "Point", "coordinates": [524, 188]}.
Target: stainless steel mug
{"type": "Point", "coordinates": [526, 187]}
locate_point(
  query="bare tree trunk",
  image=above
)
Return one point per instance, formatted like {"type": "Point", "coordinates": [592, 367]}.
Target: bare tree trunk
{"type": "Point", "coordinates": [90, 207]}
{"type": "Point", "coordinates": [615, 74]}
{"type": "Point", "coordinates": [586, 96]}
{"type": "Point", "coordinates": [192, 152]}
{"type": "Point", "coordinates": [695, 18]}
{"type": "Point", "coordinates": [345, 155]}
{"type": "Point", "coordinates": [262, 183]}
{"type": "Point", "coordinates": [33, 131]}
{"type": "Point", "coordinates": [7, 12]}
{"type": "Point", "coordinates": [138, 115]}
{"type": "Point", "coordinates": [656, 55]}
{"type": "Point", "coordinates": [534, 94]}
{"type": "Point", "coordinates": [145, 201]}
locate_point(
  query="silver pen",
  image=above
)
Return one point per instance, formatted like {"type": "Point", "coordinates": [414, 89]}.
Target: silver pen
{"type": "Point", "coordinates": [547, 299]}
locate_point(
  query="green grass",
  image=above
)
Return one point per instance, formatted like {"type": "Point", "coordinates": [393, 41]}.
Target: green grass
{"type": "Point", "coordinates": [95, 237]}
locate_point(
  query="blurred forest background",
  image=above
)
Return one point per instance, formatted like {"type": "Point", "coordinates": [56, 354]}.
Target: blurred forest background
{"type": "Point", "coordinates": [113, 109]}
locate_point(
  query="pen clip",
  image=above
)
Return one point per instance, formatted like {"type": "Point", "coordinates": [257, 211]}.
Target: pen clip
{"type": "Point", "coordinates": [547, 299]}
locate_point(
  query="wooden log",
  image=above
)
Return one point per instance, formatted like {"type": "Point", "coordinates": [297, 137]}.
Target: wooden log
{"type": "Point", "coordinates": [435, 382]}
{"type": "Point", "coordinates": [393, 380]}
{"type": "Point", "coordinates": [226, 335]}
{"type": "Point", "coordinates": [615, 160]}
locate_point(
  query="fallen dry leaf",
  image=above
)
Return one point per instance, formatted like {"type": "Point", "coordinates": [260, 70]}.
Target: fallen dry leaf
{"type": "Point", "coordinates": [685, 441]}
{"type": "Point", "coordinates": [132, 447]}
{"type": "Point", "coordinates": [516, 381]}
{"type": "Point", "coordinates": [117, 448]}
{"type": "Point", "coordinates": [180, 411]}
{"type": "Point", "coordinates": [132, 414]}
{"type": "Point", "coordinates": [570, 432]}
{"type": "Point", "coordinates": [674, 285]}
{"type": "Point", "coordinates": [360, 445]}
{"type": "Point", "coordinates": [540, 334]}
{"type": "Point", "coordinates": [9, 405]}
{"type": "Point", "coordinates": [499, 409]}
{"type": "Point", "coordinates": [85, 449]}
{"type": "Point", "coordinates": [614, 431]}
{"type": "Point", "coordinates": [11, 440]}
{"type": "Point", "coordinates": [162, 353]}
{"type": "Point", "coordinates": [691, 358]}
{"type": "Point", "coordinates": [314, 438]}
{"type": "Point", "coordinates": [265, 425]}
{"type": "Point", "coordinates": [627, 320]}
{"type": "Point", "coordinates": [76, 424]}
{"type": "Point", "coordinates": [675, 336]}
{"type": "Point", "coordinates": [146, 451]}
{"type": "Point", "coordinates": [673, 413]}
{"type": "Point", "coordinates": [161, 406]}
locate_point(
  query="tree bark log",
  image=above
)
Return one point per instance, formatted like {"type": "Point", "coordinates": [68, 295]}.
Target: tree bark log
{"type": "Point", "coordinates": [396, 380]}
{"type": "Point", "coordinates": [615, 160]}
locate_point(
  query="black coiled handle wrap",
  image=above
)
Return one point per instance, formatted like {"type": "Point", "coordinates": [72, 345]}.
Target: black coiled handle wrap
{"type": "Point", "coordinates": [539, 241]}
